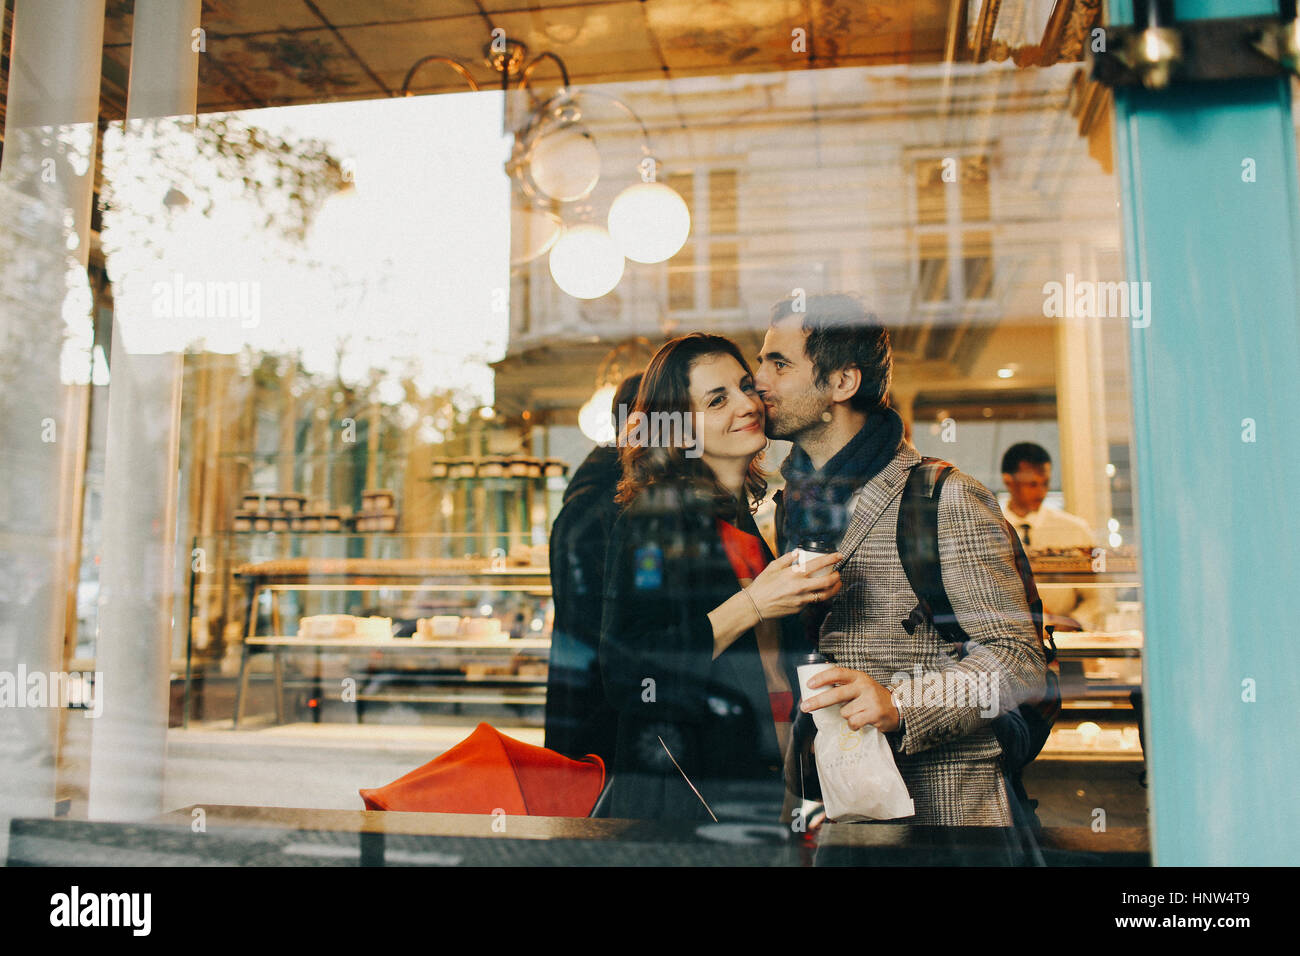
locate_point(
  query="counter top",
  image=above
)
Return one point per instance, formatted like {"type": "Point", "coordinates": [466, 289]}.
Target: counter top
{"type": "Point", "coordinates": [281, 836]}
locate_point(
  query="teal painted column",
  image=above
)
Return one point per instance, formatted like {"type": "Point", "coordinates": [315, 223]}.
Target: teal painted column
{"type": "Point", "coordinates": [1216, 401]}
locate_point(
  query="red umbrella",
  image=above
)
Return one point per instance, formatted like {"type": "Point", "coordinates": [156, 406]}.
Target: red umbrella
{"type": "Point", "coordinates": [489, 771]}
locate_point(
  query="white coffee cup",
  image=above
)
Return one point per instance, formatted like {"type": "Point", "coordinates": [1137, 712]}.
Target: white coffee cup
{"type": "Point", "coordinates": [806, 672]}
{"type": "Point", "coordinates": [801, 558]}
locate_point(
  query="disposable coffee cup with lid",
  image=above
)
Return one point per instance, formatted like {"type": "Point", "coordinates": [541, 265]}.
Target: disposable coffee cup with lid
{"type": "Point", "coordinates": [809, 550]}
{"type": "Point", "coordinates": [810, 664]}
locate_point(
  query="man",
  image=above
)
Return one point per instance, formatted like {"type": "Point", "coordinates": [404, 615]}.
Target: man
{"type": "Point", "coordinates": [1027, 474]}
{"type": "Point", "coordinates": [824, 377]}
{"type": "Point", "coordinates": [579, 720]}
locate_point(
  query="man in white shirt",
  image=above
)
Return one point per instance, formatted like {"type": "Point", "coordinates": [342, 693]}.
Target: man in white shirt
{"type": "Point", "coordinates": [1027, 473]}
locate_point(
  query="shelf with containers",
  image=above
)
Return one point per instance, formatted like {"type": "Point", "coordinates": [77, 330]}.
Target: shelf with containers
{"type": "Point", "coordinates": [344, 489]}
{"type": "Point", "coordinates": [1102, 669]}
{"type": "Point", "coordinates": [270, 587]}
{"type": "Point", "coordinates": [409, 616]}
{"type": "Point", "coordinates": [499, 498]}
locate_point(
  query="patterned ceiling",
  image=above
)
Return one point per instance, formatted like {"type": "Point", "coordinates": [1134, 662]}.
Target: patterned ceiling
{"type": "Point", "coordinates": [280, 52]}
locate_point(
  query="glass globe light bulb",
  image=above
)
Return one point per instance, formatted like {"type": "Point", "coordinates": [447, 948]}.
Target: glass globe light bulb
{"type": "Point", "coordinates": [649, 221]}
{"type": "Point", "coordinates": [593, 417]}
{"type": "Point", "coordinates": [586, 262]}
{"type": "Point", "coordinates": [565, 164]}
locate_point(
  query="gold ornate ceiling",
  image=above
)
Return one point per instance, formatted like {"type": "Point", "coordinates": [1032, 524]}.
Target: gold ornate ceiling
{"type": "Point", "coordinates": [280, 52]}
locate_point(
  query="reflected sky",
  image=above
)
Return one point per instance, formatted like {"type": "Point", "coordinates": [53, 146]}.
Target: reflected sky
{"type": "Point", "coordinates": [402, 276]}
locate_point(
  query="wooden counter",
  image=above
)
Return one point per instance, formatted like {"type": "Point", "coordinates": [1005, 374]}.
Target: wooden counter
{"type": "Point", "coordinates": [272, 836]}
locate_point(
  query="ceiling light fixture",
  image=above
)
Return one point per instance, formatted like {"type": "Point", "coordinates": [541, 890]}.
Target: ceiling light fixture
{"type": "Point", "coordinates": [555, 160]}
{"type": "Point", "coordinates": [586, 262]}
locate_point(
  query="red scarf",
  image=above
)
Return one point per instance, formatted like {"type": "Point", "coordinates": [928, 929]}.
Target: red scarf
{"type": "Point", "coordinates": [749, 556]}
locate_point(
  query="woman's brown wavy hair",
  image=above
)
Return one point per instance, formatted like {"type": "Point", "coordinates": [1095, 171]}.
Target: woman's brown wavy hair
{"type": "Point", "coordinates": [665, 387]}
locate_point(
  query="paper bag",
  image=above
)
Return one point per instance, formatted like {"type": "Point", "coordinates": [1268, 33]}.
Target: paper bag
{"type": "Point", "coordinates": [856, 768]}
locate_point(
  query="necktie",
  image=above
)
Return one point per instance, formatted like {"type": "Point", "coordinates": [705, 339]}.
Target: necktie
{"type": "Point", "coordinates": [1024, 533]}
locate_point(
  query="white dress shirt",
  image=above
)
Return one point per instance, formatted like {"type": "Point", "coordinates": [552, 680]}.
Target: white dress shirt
{"type": "Point", "coordinates": [1051, 528]}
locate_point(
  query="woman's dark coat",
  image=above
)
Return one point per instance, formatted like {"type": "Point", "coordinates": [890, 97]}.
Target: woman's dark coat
{"type": "Point", "coordinates": [666, 568]}
{"type": "Point", "coordinates": [579, 721]}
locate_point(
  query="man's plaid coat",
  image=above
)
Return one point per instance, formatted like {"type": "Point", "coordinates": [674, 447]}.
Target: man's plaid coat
{"type": "Point", "coordinates": [947, 752]}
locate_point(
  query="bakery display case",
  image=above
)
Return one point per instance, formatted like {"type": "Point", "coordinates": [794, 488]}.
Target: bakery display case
{"type": "Point", "coordinates": [363, 620]}
{"type": "Point", "coordinates": [1101, 669]}
{"type": "Point", "coordinates": [321, 577]}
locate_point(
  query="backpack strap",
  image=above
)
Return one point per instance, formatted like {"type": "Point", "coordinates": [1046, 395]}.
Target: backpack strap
{"type": "Point", "coordinates": [1032, 597]}
{"type": "Point", "coordinates": [917, 539]}
{"type": "Point", "coordinates": [918, 550]}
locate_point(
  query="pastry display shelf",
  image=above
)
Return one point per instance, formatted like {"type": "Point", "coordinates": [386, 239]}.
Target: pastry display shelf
{"type": "Point", "coordinates": [1082, 581]}
{"type": "Point", "coordinates": [279, 645]}
{"type": "Point", "coordinates": [1102, 689]}
{"type": "Point", "coordinates": [1087, 683]}
{"type": "Point", "coordinates": [1108, 746]}
{"type": "Point", "coordinates": [1105, 697]}
{"type": "Point", "coordinates": [436, 585]}
{"type": "Point", "coordinates": [376, 575]}
{"type": "Point", "coordinates": [403, 643]}
{"type": "Point", "coordinates": [1076, 645]}
{"type": "Point", "coordinates": [522, 700]}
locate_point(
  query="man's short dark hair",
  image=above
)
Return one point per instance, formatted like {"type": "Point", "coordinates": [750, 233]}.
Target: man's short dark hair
{"type": "Point", "coordinates": [842, 333]}
{"type": "Point", "coordinates": [1025, 452]}
{"type": "Point", "coordinates": [625, 395]}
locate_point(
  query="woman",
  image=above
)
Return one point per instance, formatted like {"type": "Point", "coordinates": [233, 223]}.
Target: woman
{"type": "Point", "coordinates": [696, 631]}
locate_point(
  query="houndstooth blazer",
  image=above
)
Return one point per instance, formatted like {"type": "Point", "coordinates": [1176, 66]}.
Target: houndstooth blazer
{"type": "Point", "coordinates": [947, 752]}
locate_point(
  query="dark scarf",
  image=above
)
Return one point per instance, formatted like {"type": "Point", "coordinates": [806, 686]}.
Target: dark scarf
{"type": "Point", "coordinates": [815, 500]}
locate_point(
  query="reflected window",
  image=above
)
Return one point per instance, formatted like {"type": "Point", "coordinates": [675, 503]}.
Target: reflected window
{"type": "Point", "coordinates": [954, 260]}
{"type": "Point", "coordinates": [705, 275]}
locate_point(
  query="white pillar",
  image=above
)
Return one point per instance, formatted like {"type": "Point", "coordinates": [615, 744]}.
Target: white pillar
{"type": "Point", "coordinates": [137, 575]}
{"type": "Point", "coordinates": [46, 183]}
{"type": "Point", "coordinates": [1081, 410]}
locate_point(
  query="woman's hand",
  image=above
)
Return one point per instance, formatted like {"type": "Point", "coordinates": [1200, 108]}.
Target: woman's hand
{"type": "Point", "coordinates": [781, 589]}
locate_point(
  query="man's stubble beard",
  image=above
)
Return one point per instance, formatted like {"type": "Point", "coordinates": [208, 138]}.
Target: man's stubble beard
{"type": "Point", "coordinates": [798, 423]}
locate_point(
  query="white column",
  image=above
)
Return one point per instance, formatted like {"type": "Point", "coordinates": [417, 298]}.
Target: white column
{"type": "Point", "coordinates": [1081, 409]}
{"type": "Point", "coordinates": [46, 182]}
{"type": "Point", "coordinates": [137, 575]}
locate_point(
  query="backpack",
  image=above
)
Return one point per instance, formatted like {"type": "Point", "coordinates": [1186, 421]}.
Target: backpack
{"type": "Point", "coordinates": [918, 549]}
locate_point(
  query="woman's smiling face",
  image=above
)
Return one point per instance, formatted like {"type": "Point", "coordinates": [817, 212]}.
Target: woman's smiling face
{"type": "Point", "coordinates": [729, 416]}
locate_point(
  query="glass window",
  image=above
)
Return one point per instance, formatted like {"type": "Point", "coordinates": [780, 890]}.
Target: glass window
{"type": "Point", "coordinates": [384, 345]}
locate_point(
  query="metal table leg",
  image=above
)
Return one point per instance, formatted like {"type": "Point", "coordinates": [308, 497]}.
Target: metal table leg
{"type": "Point", "coordinates": [277, 668]}
{"type": "Point", "coordinates": [241, 688]}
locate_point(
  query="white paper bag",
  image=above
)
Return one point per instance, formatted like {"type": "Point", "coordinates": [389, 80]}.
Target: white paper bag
{"type": "Point", "coordinates": [856, 768]}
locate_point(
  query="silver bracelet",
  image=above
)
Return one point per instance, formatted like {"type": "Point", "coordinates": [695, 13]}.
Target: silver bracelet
{"type": "Point", "coordinates": [745, 591]}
